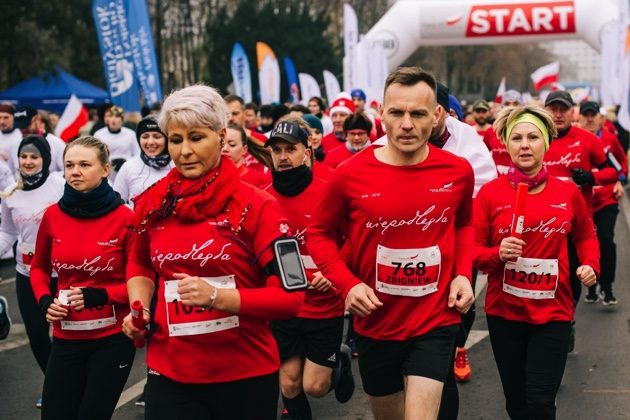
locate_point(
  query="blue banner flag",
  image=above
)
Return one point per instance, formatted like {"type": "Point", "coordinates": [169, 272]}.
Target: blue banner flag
{"type": "Point", "coordinates": [241, 74]}
{"type": "Point", "coordinates": [145, 62]}
{"type": "Point", "coordinates": [110, 18]}
{"type": "Point", "coordinates": [292, 79]}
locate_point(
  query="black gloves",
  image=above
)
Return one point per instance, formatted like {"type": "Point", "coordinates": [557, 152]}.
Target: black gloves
{"type": "Point", "coordinates": [44, 303]}
{"type": "Point", "coordinates": [582, 177]}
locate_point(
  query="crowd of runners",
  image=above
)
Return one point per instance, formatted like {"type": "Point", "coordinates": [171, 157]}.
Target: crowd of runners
{"type": "Point", "coordinates": [396, 207]}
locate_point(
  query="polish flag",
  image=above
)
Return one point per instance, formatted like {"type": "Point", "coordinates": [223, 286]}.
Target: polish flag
{"type": "Point", "coordinates": [500, 92]}
{"type": "Point", "coordinates": [546, 75]}
{"type": "Point", "coordinates": [73, 118]}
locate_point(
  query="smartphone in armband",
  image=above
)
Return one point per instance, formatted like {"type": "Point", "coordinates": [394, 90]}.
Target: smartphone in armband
{"type": "Point", "coordinates": [289, 262]}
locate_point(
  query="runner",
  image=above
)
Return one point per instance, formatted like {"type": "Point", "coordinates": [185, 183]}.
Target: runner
{"type": "Point", "coordinates": [605, 202]}
{"type": "Point", "coordinates": [341, 109]}
{"type": "Point", "coordinates": [207, 239]}
{"type": "Point", "coordinates": [356, 129]}
{"type": "Point", "coordinates": [85, 239]}
{"type": "Point", "coordinates": [23, 205]}
{"type": "Point", "coordinates": [9, 134]}
{"type": "Point", "coordinates": [317, 106]}
{"type": "Point", "coordinates": [412, 222]}
{"type": "Point", "coordinates": [572, 156]}
{"type": "Point", "coordinates": [121, 141]}
{"type": "Point", "coordinates": [140, 172]}
{"type": "Point", "coordinates": [235, 148]}
{"type": "Point", "coordinates": [29, 121]}
{"type": "Point", "coordinates": [482, 116]}
{"type": "Point", "coordinates": [529, 303]}
{"type": "Point", "coordinates": [309, 344]}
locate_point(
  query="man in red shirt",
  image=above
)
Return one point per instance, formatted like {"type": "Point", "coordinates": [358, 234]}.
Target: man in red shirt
{"type": "Point", "coordinates": [481, 113]}
{"type": "Point", "coordinates": [357, 128]}
{"type": "Point", "coordinates": [572, 156]}
{"type": "Point", "coordinates": [309, 344]}
{"type": "Point", "coordinates": [408, 251]}
{"type": "Point", "coordinates": [341, 109]}
{"type": "Point", "coordinates": [605, 201]}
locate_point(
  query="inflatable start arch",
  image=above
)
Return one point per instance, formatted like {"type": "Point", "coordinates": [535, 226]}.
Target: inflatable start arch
{"type": "Point", "coordinates": [410, 24]}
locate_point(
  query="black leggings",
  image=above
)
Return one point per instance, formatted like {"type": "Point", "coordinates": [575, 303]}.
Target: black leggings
{"type": "Point", "coordinates": [252, 399]}
{"type": "Point", "coordinates": [84, 378]}
{"type": "Point", "coordinates": [605, 220]}
{"type": "Point", "coordinates": [531, 360]}
{"type": "Point", "coordinates": [37, 328]}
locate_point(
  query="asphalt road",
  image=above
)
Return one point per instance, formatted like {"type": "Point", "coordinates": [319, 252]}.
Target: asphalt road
{"type": "Point", "coordinates": [596, 383]}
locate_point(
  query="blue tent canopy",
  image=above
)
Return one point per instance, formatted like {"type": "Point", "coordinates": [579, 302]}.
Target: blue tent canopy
{"type": "Point", "coordinates": [51, 91]}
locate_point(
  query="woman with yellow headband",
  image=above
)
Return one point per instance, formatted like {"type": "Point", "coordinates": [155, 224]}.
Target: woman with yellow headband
{"type": "Point", "coordinates": [529, 303]}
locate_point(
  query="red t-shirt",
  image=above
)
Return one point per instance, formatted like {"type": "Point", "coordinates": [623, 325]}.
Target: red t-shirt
{"type": "Point", "coordinates": [85, 253]}
{"type": "Point", "coordinates": [299, 212]}
{"type": "Point", "coordinates": [251, 162]}
{"type": "Point", "coordinates": [499, 153]}
{"type": "Point", "coordinates": [409, 234]}
{"type": "Point", "coordinates": [482, 132]}
{"type": "Point", "coordinates": [338, 155]}
{"type": "Point", "coordinates": [194, 345]}
{"type": "Point", "coordinates": [579, 149]}
{"type": "Point", "coordinates": [254, 177]}
{"type": "Point", "coordinates": [603, 195]}
{"type": "Point", "coordinates": [330, 142]}
{"type": "Point", "coordinates": [536, 289]}
{"type": "Point", "coordinates": [322, 171]}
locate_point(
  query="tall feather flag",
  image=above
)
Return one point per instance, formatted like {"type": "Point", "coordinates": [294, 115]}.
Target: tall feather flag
{"type": "Point", "coordinates": [268, 74]}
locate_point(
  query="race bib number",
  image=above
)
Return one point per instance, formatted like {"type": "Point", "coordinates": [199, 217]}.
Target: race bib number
{"type": "Point", "coordinates": [87, 318]}
{"type": "Point", "coordinates": [27, 251]}
{"type": "Point", "coordinates": [193, 320]}
{"type": "Point", "coordinates": [531, 278]}
{"type": "Point", "coordinates": [408, 272]}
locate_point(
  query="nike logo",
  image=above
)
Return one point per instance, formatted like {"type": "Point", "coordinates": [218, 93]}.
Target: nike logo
{"type": "Point", "coordinates": [123, 366]}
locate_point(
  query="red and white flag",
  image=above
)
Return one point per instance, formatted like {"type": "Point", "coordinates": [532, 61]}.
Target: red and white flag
{"type": "Point", "coordinates": [546, 75]}
{"type": "Point", "coordinates": [500, 92]}
{"type": "Point", "coordinates": [73, 118]}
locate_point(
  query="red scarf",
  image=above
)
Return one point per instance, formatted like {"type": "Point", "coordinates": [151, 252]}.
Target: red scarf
{"type": "Point", "coordinates": [193, 200]}
{"type": "Point", "coordinates": [515, 175]}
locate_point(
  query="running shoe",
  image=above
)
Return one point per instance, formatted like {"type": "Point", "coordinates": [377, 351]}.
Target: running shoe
{"type": "Point", "coordinates": [5, 320]}
{"type": "Point", "coordinates": [345, 382]}
{"type": "Point", "coordinates": [38, 404]}
{"type": "Point", "coordinates": [591, 297]}
{"type": "Point", "coordinates": [572, 338]}
{"type": "Point", "coordinates": [462, 366]}
{"type": "Point", "coordinates": [354, 353]}
{"type": "Point", "coordinates": [609, 300]}
{"type": "Point", "coordinates": [140, 401]}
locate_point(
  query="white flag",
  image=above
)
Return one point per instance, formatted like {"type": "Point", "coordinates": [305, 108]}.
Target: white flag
{"type": "Point", "coordinates": [332, 86]}
{"type": "Point", "coordinates": [350, 40]}
{"type": "Point", "coordinates": [624, 43]}
{"type": "Point", "coordinates": [309, 87]}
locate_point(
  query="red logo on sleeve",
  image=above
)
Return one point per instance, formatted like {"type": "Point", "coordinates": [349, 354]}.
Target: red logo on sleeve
{"type": "Point", "coordinates": [521, 19]}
